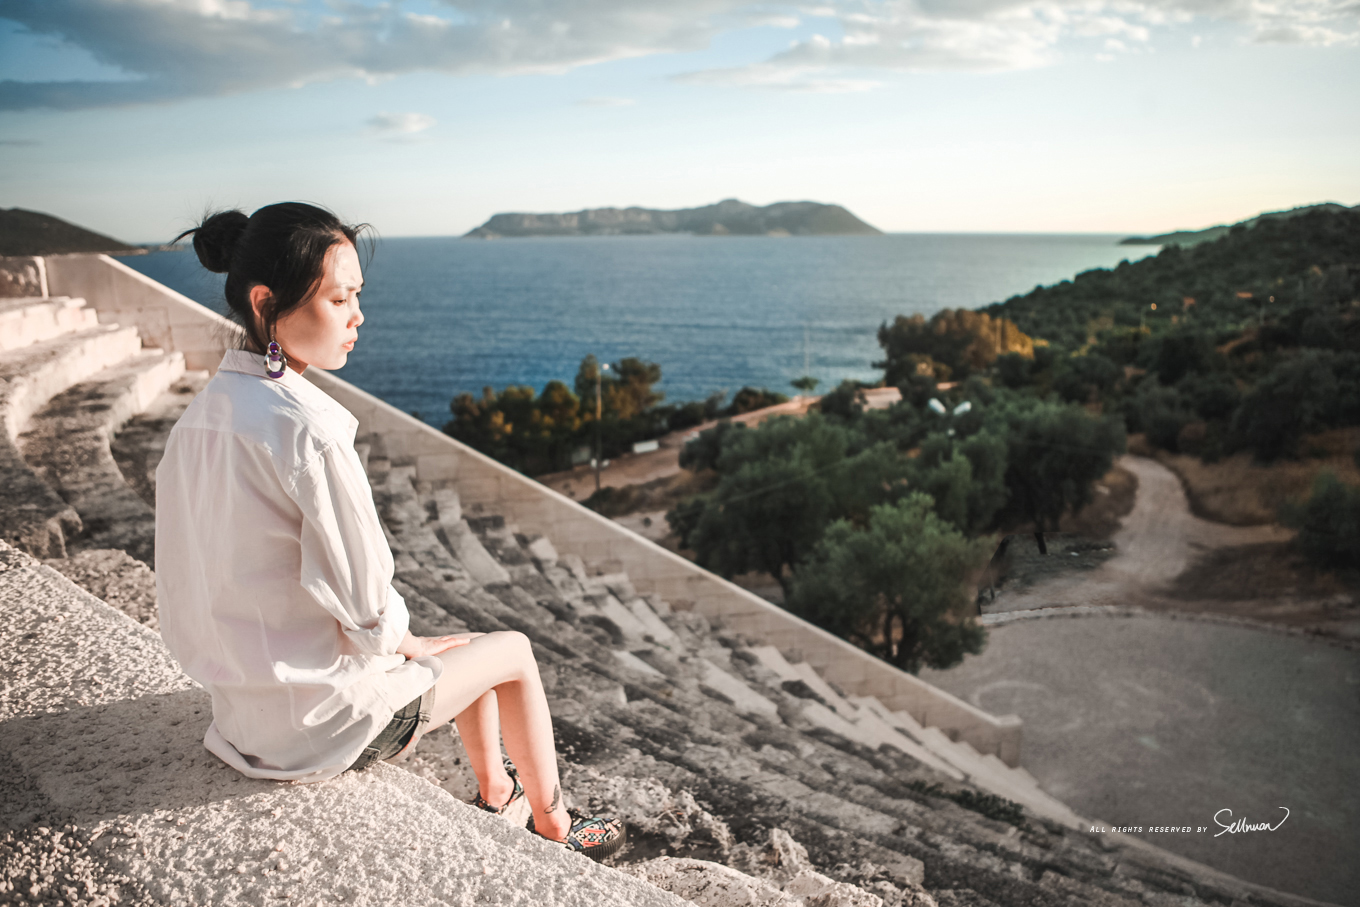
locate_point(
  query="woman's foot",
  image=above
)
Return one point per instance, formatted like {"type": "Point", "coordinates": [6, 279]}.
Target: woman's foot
{"type": "Point", "coordinates": [504, 789]}
{"type": "Point", "coordinates": [594, 836]}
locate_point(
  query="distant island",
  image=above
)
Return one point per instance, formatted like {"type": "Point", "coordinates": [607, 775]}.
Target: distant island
{"type": "Point", "coordinates": [34, 233]}
{"type": "Point", "coordinates": [1195, 237]}
{"type": "Point", "coordinates": [727, 218]}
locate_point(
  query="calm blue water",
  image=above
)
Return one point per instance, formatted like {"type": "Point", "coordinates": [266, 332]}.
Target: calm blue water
{"type": "Point", "coordinates": [445, 315]}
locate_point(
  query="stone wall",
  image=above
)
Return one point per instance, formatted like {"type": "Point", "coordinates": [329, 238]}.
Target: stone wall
{"type": "Point", "coordinates": [176, 323]}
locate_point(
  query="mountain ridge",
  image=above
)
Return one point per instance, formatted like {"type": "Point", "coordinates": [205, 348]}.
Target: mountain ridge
{"type": "Point", "coordinates": [1209, 234]}
{"type": "Point", "coordinates": [730, 217]}
{"type": "Point", "coordinates": [24, 232]}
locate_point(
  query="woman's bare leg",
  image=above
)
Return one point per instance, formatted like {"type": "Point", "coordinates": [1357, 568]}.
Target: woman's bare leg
{"type": "Point", "coordinates": [503, 662]}
{"type": "Point", "coordinates": [479, 727]}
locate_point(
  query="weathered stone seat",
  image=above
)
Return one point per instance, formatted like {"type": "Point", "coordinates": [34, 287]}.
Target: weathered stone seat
{"type": "Point", "coordinates": [102, 739]}
{"type": "Point", "coordinates": [33, 319]}
{"type": "Point", "coordinates": [33, 515]}
{"type": "Point", "coordinates": [67, 445]}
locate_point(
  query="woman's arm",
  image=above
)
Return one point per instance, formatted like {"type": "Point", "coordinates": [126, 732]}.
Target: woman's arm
{"type": "Point", "coordinates": [346, 562]}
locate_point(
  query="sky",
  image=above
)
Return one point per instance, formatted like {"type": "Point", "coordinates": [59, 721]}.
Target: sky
{"type": "Point", "coordinates": [425, 117]}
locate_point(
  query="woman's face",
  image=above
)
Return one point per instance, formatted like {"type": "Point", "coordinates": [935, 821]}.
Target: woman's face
{"type": "Point", "coordinates": [322, 330]}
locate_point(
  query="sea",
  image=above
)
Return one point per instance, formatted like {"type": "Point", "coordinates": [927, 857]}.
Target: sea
{"type": "Point", "coordinates": [445, 315]}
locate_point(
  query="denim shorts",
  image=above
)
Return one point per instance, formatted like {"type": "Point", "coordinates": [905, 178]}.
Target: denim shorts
{"type": "Point", "coordinates": [406, 727]}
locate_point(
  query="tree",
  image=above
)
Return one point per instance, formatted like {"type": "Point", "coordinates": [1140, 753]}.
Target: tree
{"type": "Point", "coordinates": [807, 383]}
{"type": "Point", "coordinates": [1160, 413]}
{"type": "Point", "coordinates": [966, 478]}
{"type": "Point", "coordinates": [845, 402]}
{"type": "Point", "coordinates": [953, 343]}
{"type": "Point", "coordinates": [1055, 454]}
{"type": "Point", "coordinates": [1308, 392]}
{"type": "Point", "coordinates": [1084, 378]}
{"type": "Point", "coordinates": [625, 391]}
{"type": "Point", "coordinates": [781, 485]}
{"type": "Point", "coordinates": [1329, 523]}
{"type": "Point", "coordinates": [895, 587]}
{"type": "Point", "coordinates": [703, 451]}
{"type": "Point", "coordinates": [750, 399]}
{"type": "Point", "coordinates": [528, 432]}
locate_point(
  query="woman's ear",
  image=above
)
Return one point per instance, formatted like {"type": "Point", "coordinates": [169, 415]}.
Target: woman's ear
{"type": "Point", "coordinates": [260, 298]}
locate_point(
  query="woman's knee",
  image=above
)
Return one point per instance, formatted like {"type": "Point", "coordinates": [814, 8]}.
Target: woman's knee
{"type": "Point", "coordinates": [516, 645]}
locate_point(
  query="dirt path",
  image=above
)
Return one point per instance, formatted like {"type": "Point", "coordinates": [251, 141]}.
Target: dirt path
{"type": "Point", "coordinates": [1155, 543]}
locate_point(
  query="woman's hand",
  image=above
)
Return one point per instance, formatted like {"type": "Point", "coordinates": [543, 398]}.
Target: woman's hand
{"type": "Point", "coordinates": [415, 646]}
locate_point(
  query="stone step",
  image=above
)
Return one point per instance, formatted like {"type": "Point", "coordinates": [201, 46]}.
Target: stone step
{"type": "Point", "coordinates": [909, 728]}
{"type": "Point", "coordinates": [656, 630]}
{"type": "Point", "coordinates": [741, 696]}
{"type": "Point", "coordinates": [37, 372]}
{"type": "Point", "coordinates": [140, 444]}
{"type": "Point", "coordinates": [33, 517]}
{"type": "Point", "coordinates": [881, 731]}
{"type": "Point", "coordinates": [1003, 781]}
{"type": "Point", "coordinates": [774, 660]}
{"type": "Point", "coordinates": [808, 674]}
{"type": "Point", "coordinates": [67, 445]}
{"type": "Point", "coordinates": [33, 319]}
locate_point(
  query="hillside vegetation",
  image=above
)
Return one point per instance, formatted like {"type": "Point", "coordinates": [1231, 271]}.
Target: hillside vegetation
{"type": "Point", "coordinates": [1195, 237]}
{"type": "Point", "coordinates": [1247, 343]}
{"type": "Point", "coordinates": [34, 233]}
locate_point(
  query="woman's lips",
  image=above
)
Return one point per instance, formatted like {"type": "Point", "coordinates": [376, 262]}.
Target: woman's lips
{"type": "Point", "coordinates": [350, 344]}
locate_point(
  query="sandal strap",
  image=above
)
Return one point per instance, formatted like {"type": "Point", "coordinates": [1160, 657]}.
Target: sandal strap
{"type": "Point", "coordinates": [480, 802]}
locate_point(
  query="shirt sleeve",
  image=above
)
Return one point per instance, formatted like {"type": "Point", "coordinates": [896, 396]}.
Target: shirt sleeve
{"type": "Point", "coordinates": [346, 562]}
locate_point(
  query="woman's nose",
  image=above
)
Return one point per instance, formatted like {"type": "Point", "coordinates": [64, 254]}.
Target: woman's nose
{"type": "Point", "coordinates": [358, 317]}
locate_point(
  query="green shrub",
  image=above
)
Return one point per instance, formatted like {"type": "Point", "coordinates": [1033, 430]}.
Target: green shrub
{"type": "Point", "coordinates": [1329, 523]}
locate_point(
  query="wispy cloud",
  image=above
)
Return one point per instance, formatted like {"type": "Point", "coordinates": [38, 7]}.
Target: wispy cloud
{"type": "Point", "coordinates": [18, 143]}
{"type": "Point", "coordinates": [1001, 35]}
{"type": "Point", "coordinates": [778, 76]}
{"type": "Point", "coordinates": [193, 48]}
{"type": "Point", "coordinates": [399, 125]}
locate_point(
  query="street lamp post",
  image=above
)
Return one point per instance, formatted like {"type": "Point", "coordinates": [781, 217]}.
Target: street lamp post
{"type": "Point", "coordinates": [599, 413]}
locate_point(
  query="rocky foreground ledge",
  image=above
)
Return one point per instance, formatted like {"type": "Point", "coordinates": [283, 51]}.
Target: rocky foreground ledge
{"type": "Point", "coordinates": [110, 798]}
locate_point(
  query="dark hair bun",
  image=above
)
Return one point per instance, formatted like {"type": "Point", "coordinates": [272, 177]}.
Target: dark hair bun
{"type": "Point", "coordinates": [215, 238]}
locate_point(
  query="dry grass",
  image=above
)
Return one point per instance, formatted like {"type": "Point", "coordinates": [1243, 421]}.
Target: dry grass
{"type": "Point", "coordinates": [659, 494]}
{"type": "Point", "coordinates": [1239, 492]}
{"type": "Point", "coordinates": [1114, 497]}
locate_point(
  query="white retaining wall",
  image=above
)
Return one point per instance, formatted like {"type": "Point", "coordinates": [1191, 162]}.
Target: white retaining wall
{"type": "Point", "coordinates": [174, 322]}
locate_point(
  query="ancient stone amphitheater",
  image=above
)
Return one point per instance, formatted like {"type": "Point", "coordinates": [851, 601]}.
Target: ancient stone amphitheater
{"type": "Point", "coordinates": [756, 759]}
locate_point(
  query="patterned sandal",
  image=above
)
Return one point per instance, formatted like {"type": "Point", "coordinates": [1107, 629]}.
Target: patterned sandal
{"type": "Point", "coordinates": [514, 795]}
{"type": "Point", "coordinates": [594, 836]}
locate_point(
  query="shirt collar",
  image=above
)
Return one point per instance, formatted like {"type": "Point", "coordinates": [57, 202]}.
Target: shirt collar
{"type": "Point", "coordinates": [248, 363]}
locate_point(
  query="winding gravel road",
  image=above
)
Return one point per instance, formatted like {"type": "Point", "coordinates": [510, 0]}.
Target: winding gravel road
{"type": "Point", "coordinates": [1155, 543]}
{"type": "Point", "coordinates": [1151, 721]}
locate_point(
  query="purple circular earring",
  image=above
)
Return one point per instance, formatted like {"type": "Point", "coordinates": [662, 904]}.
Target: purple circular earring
{"type": "Point", "coordinates": [274, 360]}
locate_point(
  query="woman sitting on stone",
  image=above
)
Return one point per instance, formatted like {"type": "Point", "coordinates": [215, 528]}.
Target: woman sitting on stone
{"type": "Point", "coordinates": [272, 571]}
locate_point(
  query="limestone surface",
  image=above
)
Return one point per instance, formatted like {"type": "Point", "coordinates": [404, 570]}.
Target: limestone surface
{"type": "Point", "coordinates": [102, 740]}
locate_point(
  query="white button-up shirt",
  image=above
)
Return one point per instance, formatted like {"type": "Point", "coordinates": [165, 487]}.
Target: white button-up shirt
{"type": "Point", "coordinates": [273, 576]}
